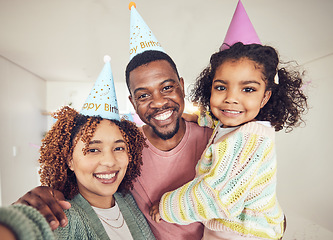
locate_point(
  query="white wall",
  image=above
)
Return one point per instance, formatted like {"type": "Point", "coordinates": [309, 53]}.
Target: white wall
{"type": "Point", "coordinates": [305, 161]}
{"type": "Point", "coordinates": [22, 100]}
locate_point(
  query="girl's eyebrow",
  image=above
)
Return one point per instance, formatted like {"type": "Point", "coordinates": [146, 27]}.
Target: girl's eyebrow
{"type": "Point", "coordinates": [243, 82]}
{"type": "Point", "coordinates": [251, 81]}
{"type": "Point", "coordinates": [220, 81]}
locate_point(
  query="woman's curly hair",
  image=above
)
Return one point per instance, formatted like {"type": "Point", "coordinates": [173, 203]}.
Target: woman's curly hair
{"type": "Point", "coordinates": [58, 144]}
{"type": "Point", "coordinates": [287, 102]}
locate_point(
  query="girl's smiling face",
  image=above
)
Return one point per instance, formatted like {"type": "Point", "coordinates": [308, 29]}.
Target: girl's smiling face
{"type": "Point", "coordinates": [100, 171]}
{"type": "Point", "coordinates": [238, 92]}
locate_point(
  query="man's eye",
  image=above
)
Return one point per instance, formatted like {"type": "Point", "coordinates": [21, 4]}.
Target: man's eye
{"type": "Point", "coordinates": [166, 88]}
{"type": "Point", "coordinates": [143, 96]}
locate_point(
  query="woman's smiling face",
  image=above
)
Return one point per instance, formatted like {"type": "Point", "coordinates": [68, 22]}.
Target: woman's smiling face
{"type": "Point", "coordinates": [100, 171]}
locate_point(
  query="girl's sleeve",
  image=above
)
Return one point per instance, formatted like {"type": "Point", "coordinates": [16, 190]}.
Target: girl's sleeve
{"type": "Point", "coordinates": [26, 222]}
{"type": "Point", "coordinates": [205, 119]}
{"type": "Point", "coordinates": [231, 168]}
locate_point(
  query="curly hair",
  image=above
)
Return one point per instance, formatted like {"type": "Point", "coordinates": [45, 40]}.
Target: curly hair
{"type": "Point", "coordinates": [58, 144]}
{"type": "Point", "coordinates": [287, 102]}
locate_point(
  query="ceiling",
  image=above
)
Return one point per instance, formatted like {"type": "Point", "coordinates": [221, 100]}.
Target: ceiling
{"type": "Point", "coordinates": [66, 40]}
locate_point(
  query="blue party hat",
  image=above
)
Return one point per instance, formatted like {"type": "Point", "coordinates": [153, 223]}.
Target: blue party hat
{"type": "Point", "coordinates": [102, 100]}
{"type": "Point", "coordinates": [141, 37]}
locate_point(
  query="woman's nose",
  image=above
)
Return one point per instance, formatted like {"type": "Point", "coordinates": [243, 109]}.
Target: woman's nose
{"type": "Point", "coordinates": [108, 159]}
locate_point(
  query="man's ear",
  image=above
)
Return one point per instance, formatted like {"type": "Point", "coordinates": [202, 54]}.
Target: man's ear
{"type": "Point", "coordinates": [181, 80]}
{"type": "Point", "coordinates": [132, 101]}
{"type": "Point", "coordinates": [267, 96]}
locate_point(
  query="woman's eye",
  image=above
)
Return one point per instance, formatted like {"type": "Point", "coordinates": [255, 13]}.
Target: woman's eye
{"type": "Point", "coordinates": [119, 149]}
{"type": "Point", "coordinates": [92, 150]}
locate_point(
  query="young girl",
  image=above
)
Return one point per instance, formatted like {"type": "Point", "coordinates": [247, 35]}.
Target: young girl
{"type": "Point", "coordinates": [234, 192]}
{"type": "Point", "coordinates": [92, 161]}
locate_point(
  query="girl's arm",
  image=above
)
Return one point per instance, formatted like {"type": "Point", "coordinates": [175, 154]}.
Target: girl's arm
{"type": "Point", "coordinates": [234, 165]}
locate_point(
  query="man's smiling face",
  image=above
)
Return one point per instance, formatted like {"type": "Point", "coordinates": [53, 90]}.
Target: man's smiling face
{"type": "Point", "coordinates": [157, 94]}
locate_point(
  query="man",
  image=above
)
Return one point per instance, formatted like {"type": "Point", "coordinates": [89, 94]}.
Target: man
{"type": "Point", "coordinates": [174, 145]}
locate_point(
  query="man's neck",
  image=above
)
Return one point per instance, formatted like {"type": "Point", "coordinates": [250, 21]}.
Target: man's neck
{"type": "Point", "coordinates": [165, 145]}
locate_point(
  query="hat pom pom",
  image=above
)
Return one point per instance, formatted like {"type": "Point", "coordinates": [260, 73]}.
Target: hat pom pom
{"type": "Point", "coordinates": [107, 58]}
{"type": "Point", "coordinates": [131, 4]}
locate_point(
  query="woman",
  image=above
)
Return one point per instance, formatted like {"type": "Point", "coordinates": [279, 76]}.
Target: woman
{"type": "Point", "coordinates": [93, 161]}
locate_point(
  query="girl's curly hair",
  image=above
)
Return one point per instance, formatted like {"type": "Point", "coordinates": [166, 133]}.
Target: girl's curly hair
{"type": "Point", "coordinates": [58, 144]}
{"type": "Point", "coordinates": [287, 102]}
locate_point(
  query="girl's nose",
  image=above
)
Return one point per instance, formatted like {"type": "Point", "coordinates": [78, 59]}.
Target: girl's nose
{"type": "Point", "coordinates": [231, 97]}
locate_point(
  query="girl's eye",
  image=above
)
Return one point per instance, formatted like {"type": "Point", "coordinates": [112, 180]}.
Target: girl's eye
{"type": "Point", "coordinates": [220, 88]}
{"type": "Point", "coordinates": [249, 89]}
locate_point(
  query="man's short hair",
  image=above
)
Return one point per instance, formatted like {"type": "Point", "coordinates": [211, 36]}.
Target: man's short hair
{"type": "Point", "coordinates": [147, 57]}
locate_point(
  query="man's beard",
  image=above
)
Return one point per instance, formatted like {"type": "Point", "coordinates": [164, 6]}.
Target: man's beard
{"type": "Point", "coordinates": [166, 136]}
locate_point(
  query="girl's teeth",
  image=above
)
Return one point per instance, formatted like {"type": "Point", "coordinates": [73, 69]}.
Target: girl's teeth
{"type": "Point", "coordinates": [163, 116]}
{"type": "Point", "coordinates": [231, 111]}
{"type": "Point", "coordinates": [105, 176]}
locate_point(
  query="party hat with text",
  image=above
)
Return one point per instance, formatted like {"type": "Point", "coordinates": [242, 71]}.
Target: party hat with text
{"type": "Point", "coordinates": [240, 29]}
{"type": "Point", "coordinates": [141, 37]}
{"type": "Point", "coordinates": [102, 100]}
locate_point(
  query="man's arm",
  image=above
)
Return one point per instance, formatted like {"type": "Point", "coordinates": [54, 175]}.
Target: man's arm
{"type": "Point", "coordinates": [49, 202]}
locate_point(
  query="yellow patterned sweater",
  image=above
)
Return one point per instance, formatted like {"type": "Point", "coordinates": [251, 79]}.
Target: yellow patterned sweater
{"type": "Point", "coordinates": [235, 186]}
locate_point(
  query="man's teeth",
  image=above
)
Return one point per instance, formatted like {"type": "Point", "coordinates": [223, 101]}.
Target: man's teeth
{"type": "Point", "coordinates": [105, 176]}
{"type": "Point", "coordinates": [163, 116]}
{"type": "Point", "coordinates": [228, 111]}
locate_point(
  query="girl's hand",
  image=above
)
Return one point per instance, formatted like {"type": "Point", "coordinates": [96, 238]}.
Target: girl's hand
{"type": "Point", "coordinates": [154, 212]}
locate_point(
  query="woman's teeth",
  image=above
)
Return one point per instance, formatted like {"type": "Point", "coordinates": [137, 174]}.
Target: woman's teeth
{"type": "Point", "coordinates": [105, 176]}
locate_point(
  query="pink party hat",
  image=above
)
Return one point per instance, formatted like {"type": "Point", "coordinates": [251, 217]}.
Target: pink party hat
{"type": "Point", "coordinates": [240, 29]}
{"type": "Point", "coordinates": [102, 100]}
{"type": "Point", "coordinates": [141, 37]}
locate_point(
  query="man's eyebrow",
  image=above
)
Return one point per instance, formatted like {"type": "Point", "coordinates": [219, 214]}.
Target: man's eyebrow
{"type": "Point", "coordinates": [142, 88]}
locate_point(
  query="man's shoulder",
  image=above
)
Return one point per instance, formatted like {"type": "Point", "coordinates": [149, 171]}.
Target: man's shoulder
{"type": "Point", "coordinates": [194, 128]}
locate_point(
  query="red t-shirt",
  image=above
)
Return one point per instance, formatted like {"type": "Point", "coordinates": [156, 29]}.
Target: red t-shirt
{"type": "Point", "coordinates": [163, 171]}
